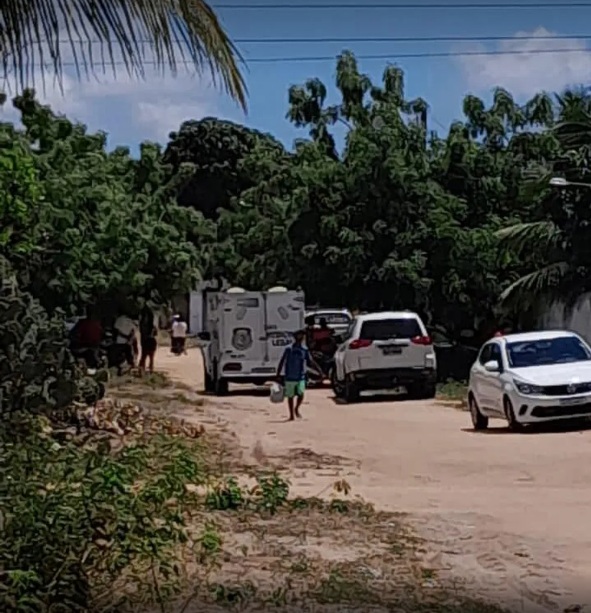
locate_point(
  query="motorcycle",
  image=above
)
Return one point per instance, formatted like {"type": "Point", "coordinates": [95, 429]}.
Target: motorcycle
{"type": "Point", "coordinates": [116, 354]}
{"type": "Point", "coordinates": [326, 363]}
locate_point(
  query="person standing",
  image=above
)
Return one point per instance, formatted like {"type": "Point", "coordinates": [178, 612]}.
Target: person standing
{"type": "Point", "coordinates": [124, 329]}
{"type": "Point", "coordinates": [148, 339]}
{"type": "Point", "coordinates": [294, 361]}
{"type": "Point", "coordinates": [178, 335]}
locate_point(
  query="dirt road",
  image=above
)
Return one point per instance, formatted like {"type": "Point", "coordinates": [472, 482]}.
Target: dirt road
{"type": "Point", "coordinates": [507, 515]}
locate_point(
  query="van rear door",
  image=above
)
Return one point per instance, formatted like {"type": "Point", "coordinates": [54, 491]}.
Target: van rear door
{"type": "Point", "coordinates": [243, 332]}
{"type": "Point", "coordinates": [284, 315]}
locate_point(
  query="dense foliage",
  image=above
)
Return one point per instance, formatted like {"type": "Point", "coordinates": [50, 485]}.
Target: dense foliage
{"type": "Point", "coordinates": [463, 227]}
{"type": "Point", "coordinates": [401, 217]}
{"type": "Point", "coordinates": [81, 225]}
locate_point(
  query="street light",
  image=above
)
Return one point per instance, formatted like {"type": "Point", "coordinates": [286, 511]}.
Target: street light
{"type": "Point", "coordinates": [560, 182]}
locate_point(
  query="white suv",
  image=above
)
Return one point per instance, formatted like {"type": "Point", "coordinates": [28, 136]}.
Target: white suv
{"type": "Point", "coordinates": [531, 377]}
{"type": "Point", "coordinates": [385, 351]}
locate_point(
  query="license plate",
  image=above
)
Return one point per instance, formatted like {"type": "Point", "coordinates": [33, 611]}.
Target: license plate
{"type": "Point", "coordinates": [391, 350]}
{"type": "Point", "coordinates": [569, 402]}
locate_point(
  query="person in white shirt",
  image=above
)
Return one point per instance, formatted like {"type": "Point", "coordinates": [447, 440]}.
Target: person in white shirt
{"type": "Point", "coordinates": [178, 335]}
{"type": "Point", "coordinates": [125, 336]}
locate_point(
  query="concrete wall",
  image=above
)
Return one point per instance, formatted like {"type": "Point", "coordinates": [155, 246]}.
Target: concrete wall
{"type": "Point", "coordinates": [577, 319]}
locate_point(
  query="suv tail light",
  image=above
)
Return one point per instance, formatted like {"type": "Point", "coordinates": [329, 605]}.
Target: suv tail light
{"type": "Point", "coordinates": [422, 340]}
{"type": "Point", "coordinates": [359, 343]}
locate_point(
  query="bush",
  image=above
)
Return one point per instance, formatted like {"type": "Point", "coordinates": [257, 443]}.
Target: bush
{"type": "Point", "coordinates": [77, 518]}
{"type": "Point", "coordinates": [37, 372]}
{"type": "Point", "coordinates": [73, 517]}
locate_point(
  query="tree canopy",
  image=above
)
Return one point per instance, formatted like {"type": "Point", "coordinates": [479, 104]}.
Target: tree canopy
{"type": "Point", "coordinates": [463, 227]}
{"type": "Point", "coordinates": [81, 225]}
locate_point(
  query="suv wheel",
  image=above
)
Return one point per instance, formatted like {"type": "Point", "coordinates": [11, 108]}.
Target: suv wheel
{"type": "Point", "coordinates": [422, 391]}
{"type": "Point", "coordinates": [338, 387]}
{"type": "Point", "coordinates": [351, 392]}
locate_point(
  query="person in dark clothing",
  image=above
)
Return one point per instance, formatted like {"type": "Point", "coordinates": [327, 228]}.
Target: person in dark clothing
{"type": "Point", "coordinates": [323, 338]}
{"type": "Point", "coordinates": [309, 330]}
{"type": "Point", "coordinates": [148, 339]}
{"type": "Point", "coordinates": [87, 336]}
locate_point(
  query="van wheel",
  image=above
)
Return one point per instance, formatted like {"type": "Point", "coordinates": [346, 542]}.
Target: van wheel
{"type": "Point", "coordinates": [220, 385]}
{"type": "Point", "coordinates": [209, 385]}
{"type": "Point", "coordinates": [351, 392]}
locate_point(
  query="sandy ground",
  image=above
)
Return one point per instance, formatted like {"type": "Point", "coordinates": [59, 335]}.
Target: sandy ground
{"type": "Point", "coordinates": [503, 513]}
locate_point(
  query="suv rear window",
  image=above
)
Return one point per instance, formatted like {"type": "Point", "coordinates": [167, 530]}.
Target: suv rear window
{"type": "Point", "coordinates": [383, 329]}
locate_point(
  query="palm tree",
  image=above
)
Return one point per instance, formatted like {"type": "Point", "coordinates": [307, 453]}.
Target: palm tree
{"type": "Point", "coordinates": [557, 245]}
{"type": "Point", "coordinates": [116, 32]}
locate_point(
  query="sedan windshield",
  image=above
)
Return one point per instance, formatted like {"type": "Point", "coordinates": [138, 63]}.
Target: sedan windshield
{"type": "Point", "coordinates": [544, 352]}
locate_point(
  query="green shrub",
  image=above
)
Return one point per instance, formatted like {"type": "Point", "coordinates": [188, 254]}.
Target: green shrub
{"type": "Point", "coordinates": [75, 519]}
{"type": "Point", "coordinates": [37, 372]}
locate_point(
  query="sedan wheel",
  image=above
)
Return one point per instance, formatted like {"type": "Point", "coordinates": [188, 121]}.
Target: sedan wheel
{"type": "Point", "coordinates": [479, 421]}
{"type": "Point", "coordinates": [510, 415]}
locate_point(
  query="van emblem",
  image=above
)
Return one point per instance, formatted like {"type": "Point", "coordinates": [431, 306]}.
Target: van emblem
{"type": "Point", "coordinates": [571, 388]}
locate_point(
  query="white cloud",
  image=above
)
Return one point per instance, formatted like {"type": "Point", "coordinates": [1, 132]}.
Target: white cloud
{"type": "Point", "coordinates": [523, 71]}
{"type": "Point", "coordinates": [129, 109]}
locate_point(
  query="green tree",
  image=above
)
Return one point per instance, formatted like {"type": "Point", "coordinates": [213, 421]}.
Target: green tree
{"type": "Point", "coordinates": [98, 227]}
{"type": "Point", "coordinates": [211, 153]}
{"type": "Point", "coordinates": [556, 239]}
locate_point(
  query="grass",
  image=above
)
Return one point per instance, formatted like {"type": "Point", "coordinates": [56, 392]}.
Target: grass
{"type": "Point", "coordinates": [251, 545]}
{"type": "Point", "coordinates": [453, 393]}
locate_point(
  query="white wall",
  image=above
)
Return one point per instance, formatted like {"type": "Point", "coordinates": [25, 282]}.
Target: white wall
{"type": "Point", "coordinates": [578, 319]}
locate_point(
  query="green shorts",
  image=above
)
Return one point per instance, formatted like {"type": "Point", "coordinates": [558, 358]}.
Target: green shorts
{"type": "Point", "coordinates": [295, 388]}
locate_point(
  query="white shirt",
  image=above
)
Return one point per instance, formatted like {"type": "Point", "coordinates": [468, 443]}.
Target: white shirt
{"type": "Point", "coordinates": [126, 326]}
{"type": "Point", "coordinates": [179, 329]}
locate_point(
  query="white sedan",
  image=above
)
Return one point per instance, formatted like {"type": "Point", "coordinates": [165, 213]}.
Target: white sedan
{"type": "Point", "coordinates": [530, 378]}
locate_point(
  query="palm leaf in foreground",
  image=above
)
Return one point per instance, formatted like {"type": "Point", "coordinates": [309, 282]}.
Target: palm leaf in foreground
{"type": "Point", "coordinates": [540, 284]}
{"type": "Point", "coordinates": [174, 31]}
{"type": "Point", "coordinates": [537, 235]}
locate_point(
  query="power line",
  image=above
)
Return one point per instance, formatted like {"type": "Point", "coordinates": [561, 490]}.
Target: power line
{"type": "Point", "coordinates": [360, 39]}
{"type": "Point", "coordinates": [397, 56]}
{"type": "Point", "coordinates": [418, 7]}
{"type": "Point", "coordinates": [406, 39]}
{"type": "Point", "coordinates": [332, 58]}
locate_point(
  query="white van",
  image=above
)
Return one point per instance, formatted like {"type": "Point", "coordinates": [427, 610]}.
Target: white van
{"type": "Point", "coordinates": [247, 333]}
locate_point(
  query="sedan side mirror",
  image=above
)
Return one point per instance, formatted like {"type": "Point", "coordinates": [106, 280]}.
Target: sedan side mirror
{"type": "Point", "coordinates": [492, 366]}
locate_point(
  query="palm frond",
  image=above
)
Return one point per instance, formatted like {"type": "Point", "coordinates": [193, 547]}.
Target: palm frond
{"type": "Point", "coordinates": [131, 33]}
{"type": "Point", "coordinates": [529, 236]}
{"type": "Point", "coordinates": [541, 283]}
{"type": "Point", "coordinates": [574, 133]}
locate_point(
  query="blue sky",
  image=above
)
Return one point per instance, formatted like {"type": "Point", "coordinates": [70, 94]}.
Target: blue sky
{"type": "Point", "coordinates": [132, 111]}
